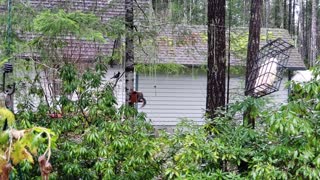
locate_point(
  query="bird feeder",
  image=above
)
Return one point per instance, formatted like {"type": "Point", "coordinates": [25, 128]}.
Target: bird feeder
{"type": "Point", "coordinates": [267, 73]}
{"type": "Point", "coordinates": [7, 74]}
{"type": "Point", "coordinates": [8, 87]}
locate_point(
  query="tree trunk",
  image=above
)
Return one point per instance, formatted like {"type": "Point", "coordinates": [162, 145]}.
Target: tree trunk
{"type": "Point", "coordinates": [252, 55]}
{"type": "Point", "coordinates": [216, 77]}
{"type": "Point", "coordinates": [185, 12]}
{"type": "Point", "coordinates": [285, 15]}
{"type": "Point", "coordinates": [313, 47]}
{"type": "Point", "coordinates": [290, 17]}
{"type": "Point", "coordinates": [293, 18]}
{"type": "Point", "coordinates": [306, 32]}
{"type": "Point", "coordinates": [301, 29]}
{"type": "Point", "coordinates": [129, 50]}
{"type": "Point", "coordinates": [276, 14]}
{"type": "Point", "coordinates": [267, 13]}
{"type": "Point", "coordinates": [253, 49]}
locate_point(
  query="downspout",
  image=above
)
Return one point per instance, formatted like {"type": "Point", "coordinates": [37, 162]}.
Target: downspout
{"type": "Point", "coordinates": [136, 80]}
{"type": "Point", "coordinates": [289, 79]}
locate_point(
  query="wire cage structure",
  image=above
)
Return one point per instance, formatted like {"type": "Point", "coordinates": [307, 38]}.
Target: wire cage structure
{"type": "Point", "coordinates": [265, 77]}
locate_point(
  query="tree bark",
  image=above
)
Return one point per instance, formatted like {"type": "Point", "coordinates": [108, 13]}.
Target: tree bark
{"type": "Point", "coordinates": [285, 15]}
{"type": "Point", "coordinates": [129, 51]}
{"type": "Point", "coordinates": [306, 32]}
{"type": "Point", "coordinates": [293, 24]}
{"type": "Point", "coordinates": [290, 17]}
{"type": "Point", "coordinates": [266, 15]}
{"type": "Point", "coordinates": [301, 29]}
{"type": "Point", "coordinates": [276, 13]}
{"type": "Point", "coordinates": [313, 48]}
{"type": "Point", "coordinates": [216, 75]}
{"type": "Point", "coordinates": [253, 49]}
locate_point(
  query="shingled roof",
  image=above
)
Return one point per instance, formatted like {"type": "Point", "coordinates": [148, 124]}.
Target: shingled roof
{"type": "Point", "coordinates": [187, 45]}
{"type": "Point", "coordinates": [80, 49]}
{"type": "Point", "coordinates": [180, 44]}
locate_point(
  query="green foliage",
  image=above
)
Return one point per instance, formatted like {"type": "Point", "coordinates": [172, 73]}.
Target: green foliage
{"type": "Point", "coordinates": [167, 68]}
{"type": "Point", "coordinates": [21, 23]}
{"type": "Point", "coordinates": [97, 140]}
{"type": "Point", "coordinates": [73, 23]}
{"type": "Point", "coordinates": [239, 43]}
{"type": "Point", "coordinates": [6, 119]}
{"type": "Point", "coordinates": [100, 141]}
{"type": "Point", "coordinates": [176, 69]}
{"type": "Point", "coordinates": [177, 11]}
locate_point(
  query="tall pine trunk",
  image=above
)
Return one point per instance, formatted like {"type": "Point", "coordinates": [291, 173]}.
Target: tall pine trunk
{"type": "Point", "coordinates": [313, 48]}
{"type": "Point", "coordinates": [276, 13]}
{"type": "Point", "coordinates": [253, 49]}
{"type": "Point", "coordinates": [252, 54]}
{"type": "Point", "coordinates": [285, 15]}
{"type": "Point", "coordinates": [129, 51]}
{"type": "Point", "coordinates": [290, 16]}
{"type": "Point", "coordinates": [216, 75]}
{"type": "Point", "coordinates": [293, 18]}
{"type": "Point", "coordinates": [301, 29]}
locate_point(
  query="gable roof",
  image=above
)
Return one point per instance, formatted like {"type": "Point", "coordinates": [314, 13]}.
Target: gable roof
{"type": "Point", "coordinates": [187, 45]}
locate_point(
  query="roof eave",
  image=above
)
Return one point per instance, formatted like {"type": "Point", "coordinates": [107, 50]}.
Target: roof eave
{"type": "Point", "coordinates": [296, 68]}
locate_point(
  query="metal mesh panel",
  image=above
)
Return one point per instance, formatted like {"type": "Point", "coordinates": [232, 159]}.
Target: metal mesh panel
{"type": "Point", "coordinates": [266, 76]}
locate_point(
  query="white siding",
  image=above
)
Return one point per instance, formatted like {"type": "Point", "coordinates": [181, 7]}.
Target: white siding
{"type": "Point", "coordinates": [280, 96]}
{"type": "Point", "coordinates": [171, 98]}
{"type": "Point", "coordinates": [119, 91]}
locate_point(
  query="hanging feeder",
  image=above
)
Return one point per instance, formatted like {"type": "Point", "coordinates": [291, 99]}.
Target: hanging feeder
{"type": "Point", "coordinates": [265, 78]}
{"type": "Point", "coordinates": [7, 70]}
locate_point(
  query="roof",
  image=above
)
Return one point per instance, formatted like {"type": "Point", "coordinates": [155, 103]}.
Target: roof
{"type": "Point", "coordinates": [178, 44]}
{"type": "Point", "coordinates": [187, 45]}
{"type": "Point", "coordinates": [80, 49]}
{"type": "Point", "coordinates": [105, 9]}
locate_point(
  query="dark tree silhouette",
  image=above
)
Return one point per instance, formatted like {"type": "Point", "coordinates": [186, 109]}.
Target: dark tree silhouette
{"type": "Point", "coordinates": [253, 49]}
{"type": "Point", "coordinates": [216, 75]}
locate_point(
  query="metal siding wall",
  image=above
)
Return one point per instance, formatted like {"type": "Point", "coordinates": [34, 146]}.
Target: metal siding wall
{"type": "Point", "coordinates": [280, 96]}
{"type": "Point", "coordinates": [170, 98]}
{"type": "Point", "coordinates": [184, 96]}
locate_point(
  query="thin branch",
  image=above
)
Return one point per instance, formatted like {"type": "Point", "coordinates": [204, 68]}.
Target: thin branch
{"type": "Point", "coordinates": [115, 84]}
{"type": "Point", "coordinates": [144, 14]}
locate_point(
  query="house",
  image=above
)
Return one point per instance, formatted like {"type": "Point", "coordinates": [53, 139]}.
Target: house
{"type": "Point", "coordinates": [172, 97]}
{"type": "Point", "coordinates": [172, 63]}
{"type": "Point", "coordinates": [81, 52]}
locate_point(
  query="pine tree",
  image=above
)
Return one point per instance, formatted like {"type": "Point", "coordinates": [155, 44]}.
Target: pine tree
{"type": "Point", "coordinates": [216, 76]}
{"type": "Point", "coordinates": [313, 48]}
{"type": "Point", "coordinates": [253, 47]}
{"type": "Point", "coordinates": [129, 58]}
